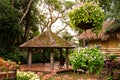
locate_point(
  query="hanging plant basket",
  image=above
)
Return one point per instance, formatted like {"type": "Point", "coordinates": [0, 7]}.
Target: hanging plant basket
{"type": "Point", "coordinates": [86, 16]}
{"type": "Point", "coordinates": [85, 26]}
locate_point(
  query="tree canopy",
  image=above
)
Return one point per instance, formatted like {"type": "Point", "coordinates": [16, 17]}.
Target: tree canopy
{"type": "Point", "coordinates": [9, 28]}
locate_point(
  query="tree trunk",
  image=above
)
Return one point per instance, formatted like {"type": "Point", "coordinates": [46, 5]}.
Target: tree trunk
{"type": "Point", "coordinates": [27, 27]}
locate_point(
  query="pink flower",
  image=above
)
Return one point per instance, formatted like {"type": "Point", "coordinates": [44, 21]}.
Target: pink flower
{"type": "Point", "coordinates": [81, 79]}
{"type": "Point", "coordinates": [58, 78]}
{"type": "Point", "coordinates": [66, 77]}
{"type": "Point", "coordinates": [40, 73]}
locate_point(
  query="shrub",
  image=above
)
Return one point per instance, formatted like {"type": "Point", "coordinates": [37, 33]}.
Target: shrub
{"type": "Point", "coordinates": [90, 59]}
{"type": "Point", "coordinates": [27, 76]}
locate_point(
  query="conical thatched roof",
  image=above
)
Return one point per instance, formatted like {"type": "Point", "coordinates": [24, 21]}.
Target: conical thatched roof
{"type": "Point", "coordinates": [102, 34]}
{"type": "Point", "coordinates": [47, 39]}
{"type": "Point", "coordinates": [88, 35]}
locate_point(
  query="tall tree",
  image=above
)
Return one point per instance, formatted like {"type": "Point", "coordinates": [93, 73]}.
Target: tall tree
{"type": "Point", "coordinates": [9, 28]}
{"type": "Point", "coordinates": [29, 17]}
{"type": "Point", "coordinates": [53, 11]}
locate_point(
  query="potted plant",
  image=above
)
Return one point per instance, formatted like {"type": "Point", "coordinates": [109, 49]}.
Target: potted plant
{"type": "Point", "coordinates": [87, 15]}
{"type": "Point", "coordinates": [8, 69]}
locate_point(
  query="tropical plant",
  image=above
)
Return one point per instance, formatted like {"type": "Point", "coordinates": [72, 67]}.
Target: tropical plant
{"type": "Point", "coordinates": [112, 56]}
{"type": "Point", "coordinates": [90, 59]}
{"type": "Point", "coordinates": [87, 15]}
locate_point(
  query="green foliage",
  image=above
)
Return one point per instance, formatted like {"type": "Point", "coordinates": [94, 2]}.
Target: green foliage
{"type": "Point", "coordinates": [109, 78]}
{"type": "Point", "coordinates": [15, 55]}
{"type": "Point", "coordinates": [11, 32]}
{"type": "Point", "coordinates": [88, 12]}
{"type": "Point", "coordinates": [112, 10]}
{"type": "Point", "coordinates": [90, 59]}
{"type": "Point", "coordinates": [112, 56]}
{"type": "Point", "coordinates": [66, 35]}
{"type": "Point", "coordinates": [55, 4]}
{"type": "Point", "coordinates": [68, 4]}
{"type": "Point", "coordinates": [113, 28]}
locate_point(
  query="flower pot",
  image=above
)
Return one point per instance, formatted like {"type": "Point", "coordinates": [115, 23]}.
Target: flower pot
{"type": "Point", "coordinates": [8, 75]}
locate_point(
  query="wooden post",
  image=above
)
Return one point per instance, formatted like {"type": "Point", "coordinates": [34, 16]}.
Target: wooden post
{"type": "Point", "coordinates": [52, 60]}
{"type": "Point", "coordinates": [29, 59]}
{"type": "Point", "coordinates": [84, 43]}
{"type": "Point", "coordinates": [67, 65]}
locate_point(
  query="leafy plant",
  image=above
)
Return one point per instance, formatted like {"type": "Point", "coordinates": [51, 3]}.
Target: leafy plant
{"type": "Point", "coordinates": [89, 14]}
{"type": "Point", "coordinates": [90, 59]}
{"type": "Point", "coordinates": [112, 56]}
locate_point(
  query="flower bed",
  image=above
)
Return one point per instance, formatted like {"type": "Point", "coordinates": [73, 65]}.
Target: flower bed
{"type": "Point", "coordinates": [8, 69]}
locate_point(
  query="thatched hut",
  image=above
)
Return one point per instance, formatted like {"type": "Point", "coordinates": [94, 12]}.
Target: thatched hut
{"type": "Point", "coordinates": [47, 40]}
{"type": "Point", "coordinates": [104, 39]}
{"type": "Point", "coordinates": [108, 39]}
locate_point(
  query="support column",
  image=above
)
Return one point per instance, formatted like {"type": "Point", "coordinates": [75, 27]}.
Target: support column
{"type": "Point", "coordinates": [52, 60]}
{"type": "Point", "coordinates": [29, 59]}
{"type": "Point", "coordinates": [67, 65]}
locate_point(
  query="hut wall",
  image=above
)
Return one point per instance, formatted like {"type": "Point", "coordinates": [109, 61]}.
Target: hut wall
{"type": "Point", "coordinates": [111, 43]}
{"type": "Point", "coordinates": [114, 43]}
{"type": "Point", "coordinates": [110, 46]}
{"type": "Point", "coordinates": [103, 44]}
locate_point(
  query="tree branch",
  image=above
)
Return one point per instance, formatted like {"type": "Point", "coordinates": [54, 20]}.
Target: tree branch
{"type": "Point", "coordinates": [61, 30]}
{"type": "Point", "coordinates": [28, 6]}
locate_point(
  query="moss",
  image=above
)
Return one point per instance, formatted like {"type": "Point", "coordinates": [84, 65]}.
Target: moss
{"type": "Point", "coordinates": [47, 39]}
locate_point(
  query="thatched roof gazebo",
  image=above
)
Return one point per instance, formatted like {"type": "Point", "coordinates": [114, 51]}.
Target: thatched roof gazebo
{"type": "Point", "coordinates": [48, 40]}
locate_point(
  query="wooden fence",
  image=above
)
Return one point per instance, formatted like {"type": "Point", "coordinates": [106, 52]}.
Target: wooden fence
{"type": "Point", "coordinates": [115, 51]}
